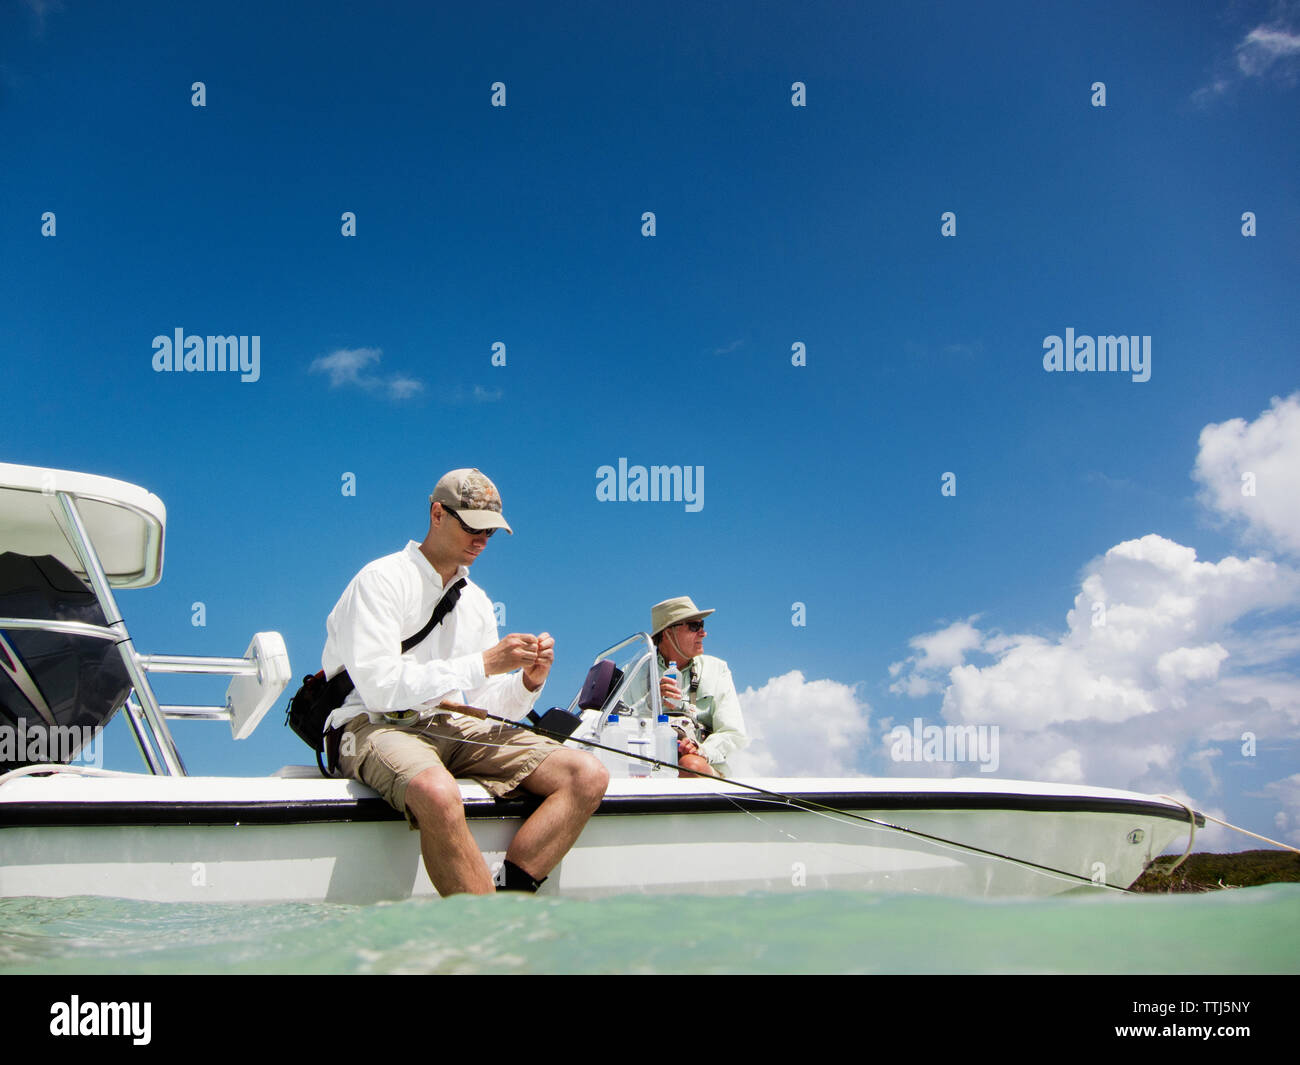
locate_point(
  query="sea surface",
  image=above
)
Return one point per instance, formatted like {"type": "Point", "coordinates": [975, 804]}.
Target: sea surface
{"type": "Point", "coordinates": [1243, 930]}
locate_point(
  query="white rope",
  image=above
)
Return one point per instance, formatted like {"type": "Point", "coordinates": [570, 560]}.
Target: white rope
{"type": "Point", "coordinates": [1209, 817]}
{"type": "Point", "coordinates": [1191, 836]}
{"type": "Point", "coordinates": [1256, 835]}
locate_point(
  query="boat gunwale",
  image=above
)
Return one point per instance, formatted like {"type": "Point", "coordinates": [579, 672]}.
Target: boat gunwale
{"type": "Point", "coordinates": [368, 809]}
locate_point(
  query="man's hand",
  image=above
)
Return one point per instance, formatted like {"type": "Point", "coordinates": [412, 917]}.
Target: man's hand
{"type": "Point", "coordinates": [516, 651]}
{"type": "Point", "coordinates": [535, 675]}
{"type": "Point", "coordinates": [669, 692]}
{"type": "Point", "coordinates": [521, 650]}
{"type": "Point", "coordinates": [685, 747]}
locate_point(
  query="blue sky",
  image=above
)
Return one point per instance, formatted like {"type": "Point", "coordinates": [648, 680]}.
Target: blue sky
{"type": "Point", "coordinates": [774, 225]}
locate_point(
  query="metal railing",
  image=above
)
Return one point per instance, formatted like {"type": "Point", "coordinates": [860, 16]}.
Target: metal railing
{"type": "Point", "coordinates": [147, 717]}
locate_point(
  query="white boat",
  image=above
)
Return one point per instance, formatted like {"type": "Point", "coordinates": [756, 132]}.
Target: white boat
{"type": "Point", "coordinates": [163, 835]}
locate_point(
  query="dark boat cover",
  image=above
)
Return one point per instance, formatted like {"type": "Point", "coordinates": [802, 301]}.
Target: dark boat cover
{"type": "Point", "coordinates": [74, 683]}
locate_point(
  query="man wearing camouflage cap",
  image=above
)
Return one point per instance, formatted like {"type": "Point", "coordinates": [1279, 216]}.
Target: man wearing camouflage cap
{"type": "Point", "coordinates": [390, 733]}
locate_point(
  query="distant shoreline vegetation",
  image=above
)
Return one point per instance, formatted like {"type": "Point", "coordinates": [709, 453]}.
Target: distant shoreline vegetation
{"type": "Point", "coordinates": [1213, 872]}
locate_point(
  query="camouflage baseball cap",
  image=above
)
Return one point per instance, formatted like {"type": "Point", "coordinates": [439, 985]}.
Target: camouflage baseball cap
{"type": "Point", "coordinates": [473, 497]}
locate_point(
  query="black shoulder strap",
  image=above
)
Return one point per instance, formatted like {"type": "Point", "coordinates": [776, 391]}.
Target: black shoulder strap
{"type": "Point", "coordinates": [445, 606]}
{"type": "Point", "coordinates": [339, 687]}
{"type": "Point", "coordinates": [341, 684]}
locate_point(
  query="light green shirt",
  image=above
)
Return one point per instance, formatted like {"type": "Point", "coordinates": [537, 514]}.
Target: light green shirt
{"type": "Point", "coordinates": [716, 708]}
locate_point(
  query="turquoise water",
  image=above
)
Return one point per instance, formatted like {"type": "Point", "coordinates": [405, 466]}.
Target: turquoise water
{"type": "Point", "coordinates": [1247, 930]}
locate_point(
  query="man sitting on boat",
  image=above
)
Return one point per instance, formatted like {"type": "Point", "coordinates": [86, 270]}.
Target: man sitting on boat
{"type": "Point", "coordinates": [394, 739]}
{"type": "Point", "coordinates": [703, 707]}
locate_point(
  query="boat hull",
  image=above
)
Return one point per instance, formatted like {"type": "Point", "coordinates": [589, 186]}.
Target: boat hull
{"type": "Point", "coordinates": [285, 839]}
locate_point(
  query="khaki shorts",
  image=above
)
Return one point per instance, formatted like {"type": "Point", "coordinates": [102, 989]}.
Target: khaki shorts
{"type": "Point", "coordinates": [388, 757]}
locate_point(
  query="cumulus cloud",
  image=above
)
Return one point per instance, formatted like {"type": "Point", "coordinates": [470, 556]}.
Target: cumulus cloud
{"type": "Point", "coordinates": [1148, 633]}
{"type": "Point", "coordinates": [1250, 473]}
{"type": "Point", "coordinates": [801, 727]}
{"type": "Point", "coordinates": [939, 650]}
{"type": "Point", "coordinates": [1166, 660]}
{"type": "Point", "coordinates": [354, 368]}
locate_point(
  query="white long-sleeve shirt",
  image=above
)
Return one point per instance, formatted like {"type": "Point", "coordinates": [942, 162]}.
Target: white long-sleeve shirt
{"type": "Point", "coordinates": [390, 600]}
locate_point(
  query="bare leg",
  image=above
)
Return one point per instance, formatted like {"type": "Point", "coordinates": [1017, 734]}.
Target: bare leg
{"type": "Point", "coordinates": [451, 857]}
{"type": "Point", "coordinates": [572, 784]}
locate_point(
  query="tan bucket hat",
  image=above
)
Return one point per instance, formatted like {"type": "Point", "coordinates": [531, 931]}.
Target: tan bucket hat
{"type": "Point", "coordinates": [473, 497]}
{"type": "Point", "coordinates": [674, 612]}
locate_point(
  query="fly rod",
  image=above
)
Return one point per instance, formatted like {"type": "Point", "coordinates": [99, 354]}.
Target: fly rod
{"type": "Point", "coordinates": [807, 805]}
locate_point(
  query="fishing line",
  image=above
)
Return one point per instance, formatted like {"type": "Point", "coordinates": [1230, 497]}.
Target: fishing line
{"type": "Point", "coordinates": [424, 729]}
{"type": "Point", "coordinates": [807, 805]}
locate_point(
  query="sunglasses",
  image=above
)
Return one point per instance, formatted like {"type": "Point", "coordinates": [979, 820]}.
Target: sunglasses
{"type": "Point", "coordinates": [694, 626]}
{"type": "Point", "coordinates": [473, 532]}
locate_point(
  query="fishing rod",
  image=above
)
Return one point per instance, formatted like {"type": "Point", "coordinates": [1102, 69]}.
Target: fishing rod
{"type": "Point", "coordinates": [807, 805]}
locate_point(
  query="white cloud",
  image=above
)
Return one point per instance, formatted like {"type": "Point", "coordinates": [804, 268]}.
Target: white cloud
{"type": "Point", "coordinates": [1268, 51]}
{"type": "Point", "coordinates": [914, 685]}
{"type": "Point", "coordinates": [1144, 637]}
{"type": "Point", "coordinates": [941, 649]}
{"type": "Point", "coordinates": [1145, 676]}
{"type": "Point", "coordinates": [1128, 638]}
{"type": "Point", "coordinates": [1166, 661]}
{"type": "Point", "coordinates": [1187, 664]}
{"type": "Point", "coordinates": [1262, 457]}
{"type": "Point", "coordinates": [947, 647]}
{"type": "Point", "coordinates": [345, 365]}
{"type": "Point", "coordinates": [1203, 760]}
{"type": "Point", "coordinates": [351, 367]}
{"type": "Point", "coordinates": [1066, 766]}
{"type": "Point", "coordinates": [801, 728]}
{"type": "Point", "coordinates": [400, 387]}
{"type": "Point", "coordinates": [1287, 820]}
{"type": "Point", "coordinates": [1263, 47]}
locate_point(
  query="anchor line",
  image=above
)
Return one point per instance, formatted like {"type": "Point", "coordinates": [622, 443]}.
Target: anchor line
{"type": "Point", "coordinates": [806, 805]}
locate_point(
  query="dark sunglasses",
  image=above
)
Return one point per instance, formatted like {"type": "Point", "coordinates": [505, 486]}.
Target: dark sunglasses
{"type": "Point", "coordinates": [694, 626]}
{"type": "Point", "coordinates": [472, 532]}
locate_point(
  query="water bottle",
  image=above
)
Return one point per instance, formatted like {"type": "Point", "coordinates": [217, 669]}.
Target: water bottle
{"type": "Point", "coordinates": [675, 673]}
{"type": "Point", "coordinates": [665, 747]}
{"type": "Point", "coordinates": [614, 734]}
{"type": "Point", "coordinates": [640, 743]}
